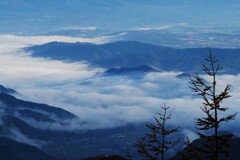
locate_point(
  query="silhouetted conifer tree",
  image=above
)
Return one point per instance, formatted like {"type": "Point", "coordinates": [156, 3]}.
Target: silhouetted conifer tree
{"type": "Point", "coordinates": [214, 144]}
{"type": "Point", "coordinates": [128, 155]}
{"type": "Point", "coordinates": [155, 144]}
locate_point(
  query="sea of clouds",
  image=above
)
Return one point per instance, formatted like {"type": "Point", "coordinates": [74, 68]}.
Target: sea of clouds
{"type": "Point", "coordinates": [102, 101]}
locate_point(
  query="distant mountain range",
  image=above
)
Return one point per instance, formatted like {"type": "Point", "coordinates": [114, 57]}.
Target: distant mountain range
{"type": "Point", "coordinates": [132, 54]}
{"type": "Point", "coordinates": [178, 36]}
{"type": "Point", "coordinates": [130, 70]}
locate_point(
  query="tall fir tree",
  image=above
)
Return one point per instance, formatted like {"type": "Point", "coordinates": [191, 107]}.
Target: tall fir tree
{"type": "Point", "coordinates": [215, 144]}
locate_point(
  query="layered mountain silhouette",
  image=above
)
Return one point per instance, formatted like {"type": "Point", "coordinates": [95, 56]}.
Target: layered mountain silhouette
{"type": "Point", "coordinates": [33, 120]}
{"type": "Point", "coordinates": [11, 105]}
{"type": "Point", "coordinates": [22, 122]}
{"type": "Point", "coordinates": [6, 90]}
{"type": "Point", "coordinates": [132, 54]}
{"type": "Point", "coordinates": [33, 126]}
{"type": "Point", "coordinates": [13, 150]}
{"type": "Point", "coordinates": [130, 70]}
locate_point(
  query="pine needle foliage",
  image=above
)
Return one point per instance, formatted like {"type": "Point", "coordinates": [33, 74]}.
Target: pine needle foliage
{"type": "Point", "coordinates": [156, 143]}
{"type": "Point", "coordinates": [215, 143]}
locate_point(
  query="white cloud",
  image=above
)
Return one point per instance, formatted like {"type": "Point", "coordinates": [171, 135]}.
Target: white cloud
{"type": "Point", "coordinates": [80, 28]}
{"type": "Point", "coordinates": [152, 28]}
{"type": "Point", "coordinates": [190, 134]}
{"type": "Point", "coordinates": [102, 101]}
{"type": "Point", "coordinates": [20, 137]}
{"type": "Point", "coordinates": [162, 27]}
{"type": "Point", "coordinates": [9, 43]}
{"type": "Point", "coordinates": [17, 70]}
{"type": "Point", "coordinates": [113, 101]}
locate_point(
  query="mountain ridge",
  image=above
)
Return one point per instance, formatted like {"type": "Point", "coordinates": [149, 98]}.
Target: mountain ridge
{"type": "Point", "coordinates": [132, 54]}
{"type": "Point", "coordinates": [130, 70]}
{"type": "Point", "coordinates": [11, 149]}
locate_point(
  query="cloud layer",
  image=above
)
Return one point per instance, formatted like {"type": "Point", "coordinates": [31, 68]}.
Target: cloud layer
{"type": "Point", "coordinates": [162, 27]}
{"type": "Point", "coordinates": [102, 101]}
{"type": "Point", "coordinates": [10, 43]}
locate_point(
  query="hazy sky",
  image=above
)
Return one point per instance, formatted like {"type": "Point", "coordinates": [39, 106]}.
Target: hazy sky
{"type": "Point", "coordinates": [34, 16]}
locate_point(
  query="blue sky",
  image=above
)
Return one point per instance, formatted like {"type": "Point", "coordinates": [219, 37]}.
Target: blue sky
{"type": "Point", "coordinates": [35, 16]}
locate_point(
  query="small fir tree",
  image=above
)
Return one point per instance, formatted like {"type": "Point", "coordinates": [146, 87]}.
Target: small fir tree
{"type": "Point", "coordinates": [155, 144]}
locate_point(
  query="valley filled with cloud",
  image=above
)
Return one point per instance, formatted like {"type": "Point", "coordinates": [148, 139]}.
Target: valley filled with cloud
{"type": "Point", "coordinates": [89, 78]}
{"type": "Point", "coordinates": [100, 100]}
